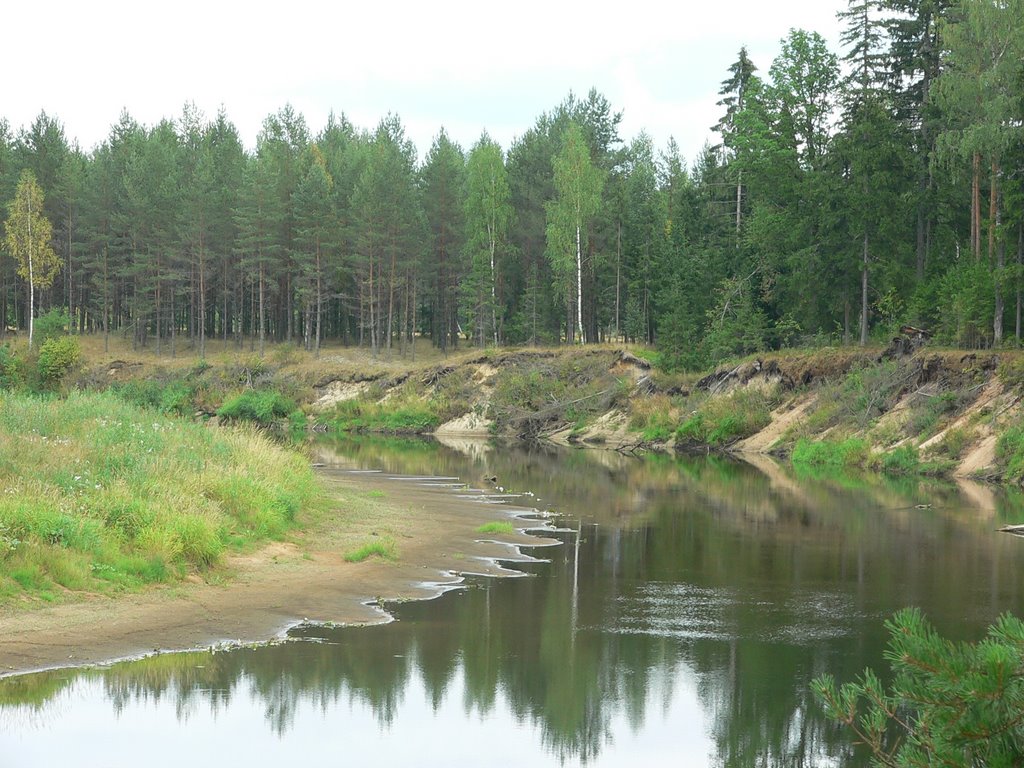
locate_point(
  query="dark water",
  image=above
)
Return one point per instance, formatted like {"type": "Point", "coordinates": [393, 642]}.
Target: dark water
{"type": "Point", "coordinates": [682, 625]}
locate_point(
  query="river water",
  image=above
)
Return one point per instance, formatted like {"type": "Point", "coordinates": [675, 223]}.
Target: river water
{"type": "Point", "coordinates": [680, 622]}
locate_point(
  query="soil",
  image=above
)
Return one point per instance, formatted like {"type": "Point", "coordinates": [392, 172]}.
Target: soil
{"type": "Point", "coordinates": [256, 597]}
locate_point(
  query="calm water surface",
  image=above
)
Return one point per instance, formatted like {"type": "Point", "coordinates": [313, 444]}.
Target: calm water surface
{"type": "Point", "coordinates": [681, 622]}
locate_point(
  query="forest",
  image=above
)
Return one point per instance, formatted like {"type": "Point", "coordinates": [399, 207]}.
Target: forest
{"type": "Point", "coordinates": [845, 193]}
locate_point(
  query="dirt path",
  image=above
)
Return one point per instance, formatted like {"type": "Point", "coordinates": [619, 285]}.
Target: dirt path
{"type": "Point", "coordinates": [258, 596]}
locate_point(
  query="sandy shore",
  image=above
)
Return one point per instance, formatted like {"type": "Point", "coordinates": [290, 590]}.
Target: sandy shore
{"type": "Point", "coordinates": [257, 597]}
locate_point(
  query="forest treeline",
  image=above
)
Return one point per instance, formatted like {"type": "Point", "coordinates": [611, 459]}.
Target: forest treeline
{"type": "Point", "coordinates": [847, 192]}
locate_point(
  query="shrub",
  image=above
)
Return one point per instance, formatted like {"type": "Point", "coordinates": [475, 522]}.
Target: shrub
{"type": "Point", "coordinates": [57, 356]}
{"type": "Point", "coordinates": [10, 368]}
{"type": "Point", "coordinates": [50, 325]}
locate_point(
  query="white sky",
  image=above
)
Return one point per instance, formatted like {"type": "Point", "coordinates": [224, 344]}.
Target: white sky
{"type": "Point", "coordinates": [457, 63]}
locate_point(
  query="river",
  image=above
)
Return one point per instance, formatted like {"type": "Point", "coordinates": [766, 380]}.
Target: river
{"type": "Point", "coordinates": [680, 622]}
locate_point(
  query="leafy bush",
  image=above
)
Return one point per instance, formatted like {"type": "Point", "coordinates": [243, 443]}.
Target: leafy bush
{"type": "Point", "coordinates": [50, 325]}
{"type": "Point", "coordinates": [57, 356]}
{"type": "Point", "coordinates": [956, 704]}
{"type": "Point", "coordinates": [10, 368]}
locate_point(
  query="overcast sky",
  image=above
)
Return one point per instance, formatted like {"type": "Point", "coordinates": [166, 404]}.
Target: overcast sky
{"type": "Point", "coordinates": [465, 65]}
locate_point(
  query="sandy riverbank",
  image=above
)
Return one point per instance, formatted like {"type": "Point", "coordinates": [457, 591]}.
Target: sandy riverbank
{"type": "Point", "coordinates": [256, 597]}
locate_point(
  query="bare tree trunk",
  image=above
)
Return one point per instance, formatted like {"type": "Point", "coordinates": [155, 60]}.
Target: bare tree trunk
{"type": "Point", "coordinates": [864, 295]}
{"type": "Point", "coordinates": [579, 284]}
{"type": "Point", "coordinates": [618, 277]}
{"type": "Point", "coordinates": [976, 206]}
{"type": "Point", "coordinates": [263, 323]}
{"type": "Point", "coordinates": [739, 204]}
{"type": "Point", "coordinates": [106, 303]}
{"type": "Point", "coordinates": [1000, 252]}
{"type": "Point", "coordinates": [31, 278]}
{"type": "Point", "coordinates": [202, 299]}
{"type": "Point", "coordinates": [1020, 262]}
{"type": "Point", "coordinates": [993, 192]}
{"type": "Point", "coordinates": [319, 303]}
{"type": "Point", "coordinates": [391, 300]}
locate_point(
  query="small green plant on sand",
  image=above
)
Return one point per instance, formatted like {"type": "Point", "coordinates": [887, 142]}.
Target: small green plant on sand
{"type": "Point", "coordinates": [497, 527]}
{"type": "Point", "coordinates": [383, 548]}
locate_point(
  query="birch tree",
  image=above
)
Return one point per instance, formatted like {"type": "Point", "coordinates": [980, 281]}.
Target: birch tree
{"type": "Point", "coordinates": [29, 233]}
{"type": "Point", "coordinates": [578, 186]}
{"type": "Point", "coordinates": [488, 217]}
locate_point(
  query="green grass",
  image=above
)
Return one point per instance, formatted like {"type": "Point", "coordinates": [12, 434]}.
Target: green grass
{"type": "Point", "coordinates": [1010, 451]}
{"type": "Point", "coordinates": [264, 407]}
{"type": "Point", "coordinates": [383, 548]}
{"type": "Point", "coordinates": [830, 453]}
{"type": "Point", "coordinates": [503, 526]}
{"type": "Point", "coordinates": [720, 421]}
{"type": "Point", "coordinates": [100, 494]}
{"type": "Point", "coordinates": [390, 418]}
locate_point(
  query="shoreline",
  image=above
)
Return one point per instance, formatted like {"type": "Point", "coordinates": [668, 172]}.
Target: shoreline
{"type": "Point", "coordinates": [257, 597]}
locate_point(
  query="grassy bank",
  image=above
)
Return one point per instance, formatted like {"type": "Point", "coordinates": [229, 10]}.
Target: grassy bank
{"type": "Point", "coordinates": [102, 495]}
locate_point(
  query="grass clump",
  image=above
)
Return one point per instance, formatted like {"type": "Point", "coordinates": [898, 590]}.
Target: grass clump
{"type": "Point", "coordinates": [654, 417]}
{"type": "Point", "coordinates": [849, 453]}
{"type": "Point", "coordinates": [1010, 452]}
{"type": "Point", "coordinates": [409, 417]}
{"type": "Point", "coordinates": [265, 408]}
{"type": "Point", "coordinates": [101, 494]}
{"type": "Point", "coordinates": [502, 526]}
{"type": "Point", "coordinates": [383, 548]}
{"type": "Point", "coordinates": [720, 421]}
{"type": "Point", "coordinates": [901, 461]}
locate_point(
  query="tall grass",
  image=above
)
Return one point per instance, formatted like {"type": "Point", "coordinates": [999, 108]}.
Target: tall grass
{"type": "Point", "coordinates": [98, 492]}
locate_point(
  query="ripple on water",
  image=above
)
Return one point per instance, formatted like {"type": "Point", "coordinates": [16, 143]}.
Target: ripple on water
{"type": "Point", "coordinates": [693, 612]}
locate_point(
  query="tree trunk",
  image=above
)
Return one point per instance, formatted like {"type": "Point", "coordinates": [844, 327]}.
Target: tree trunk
{"type": "Point", "coordinates": [1000, 252]}
{"type": "Point", "coordinates": [319, 303]}
{"type": "Point", "coordinates": [579, 284]}
{"type": "Point", "coordinates": [739, 202]}
{"type": "Point", "coordinates": [202, 299]}
{"type": "Point", "coordinates": [31, 278]}
{"type": "Point", "coordinates": [864, 295]}
{"type": "Point", "coordinates": [976, 206]}
{"type": "Point", "coordinates": [263, 324]}
{"type": "Point", "coordinates": [1020, 262]}
{"type": "Point", "coordinates": [494, 317]}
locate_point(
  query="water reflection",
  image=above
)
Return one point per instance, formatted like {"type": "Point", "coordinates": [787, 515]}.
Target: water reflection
{"type": "Point", "coordinates": [683, 622]}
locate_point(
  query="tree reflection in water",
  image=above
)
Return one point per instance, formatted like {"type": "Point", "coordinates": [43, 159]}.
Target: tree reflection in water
{"type": "Point", "coordinates": [703, 580]}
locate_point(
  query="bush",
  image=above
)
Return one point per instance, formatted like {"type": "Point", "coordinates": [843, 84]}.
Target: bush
{"type": "Point", "coordinates": [50, 325]}
{"type": "Point", "coordinates": [10, 368]}
{"type": "Point", "coordinates": [949, 703]}
{"type": "Point", "coordinates": [57, 356]}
